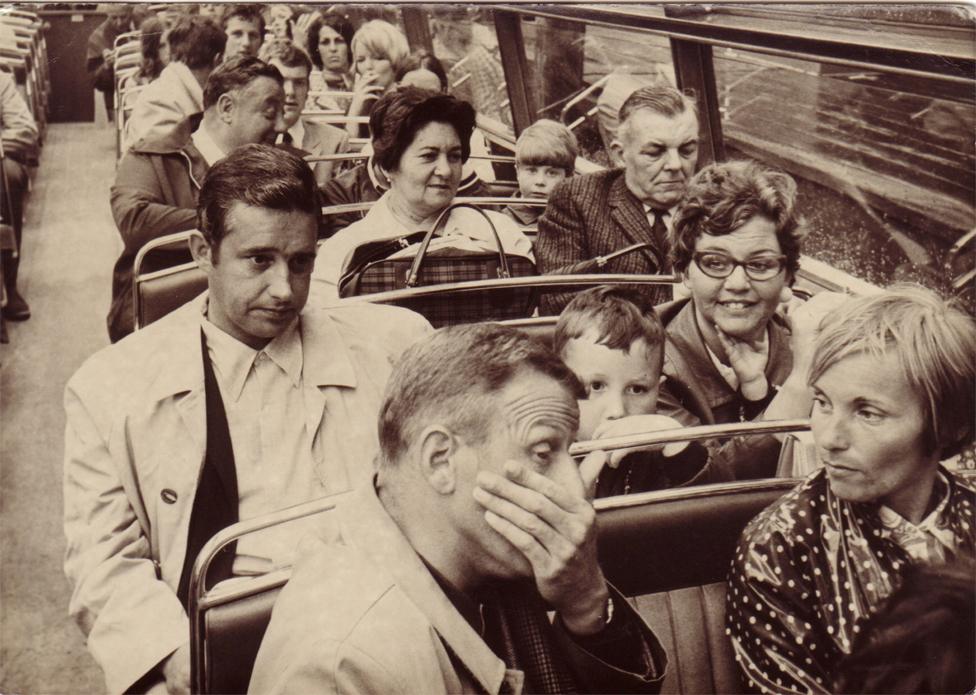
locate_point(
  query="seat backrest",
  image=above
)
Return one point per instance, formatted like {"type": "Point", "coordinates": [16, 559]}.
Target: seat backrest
{"type": "Point", "coordinates": [160, 292]}
{"type": "Point", "coordinates": [164, 278]}
{"type": "Point", "coordinates": [669, 552]}
{"type": "Point", "coordinates": [228, 621]}
{"type": "Point", "coordinates": [234, 630]}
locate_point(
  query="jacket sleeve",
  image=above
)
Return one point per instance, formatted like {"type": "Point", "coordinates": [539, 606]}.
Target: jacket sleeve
{"type": "Point", "coordinates": [561, 242]}
{"type": "Point", "coordinates": [138, 205]}
{"type": "Point", "coordinates": [771, 619]}
{"type": "Point", "coordinates": [638, 665]}
{"type": "Point", "coordinates": [132, 620]}
{"type": "Point", "coordinates": [735, 458]}
{"type": "Point", "coordinates": [16, 123]}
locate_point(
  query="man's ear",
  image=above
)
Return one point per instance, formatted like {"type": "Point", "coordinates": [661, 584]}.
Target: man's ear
{"type": "Point", "coordinates": [438, 465]}
{"type": "Point", "coordinates": [202, 252]}
{"type": "Point", "coordinates": [225, 107]}
{"type": "Point", "coordinates": [617, 152]}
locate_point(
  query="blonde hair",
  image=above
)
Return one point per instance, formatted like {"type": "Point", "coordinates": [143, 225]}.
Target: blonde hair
{"type": "Point", "coordinates": [547, 143]}
{"type": "Point", "coordinates": [381, 38]}
{"type": "Point", "coordinates": [934, 342]}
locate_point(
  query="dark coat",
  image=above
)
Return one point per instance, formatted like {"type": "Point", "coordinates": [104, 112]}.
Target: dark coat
{"type": "Point", "coordinates": [154, 194]}
{"type": "Point", "coordinates": [594, 215]}
{"type": "Point", "coordinates": [694, 393]}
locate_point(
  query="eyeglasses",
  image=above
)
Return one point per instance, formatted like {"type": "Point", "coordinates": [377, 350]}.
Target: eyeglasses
{"type": "Point", "coordinates": [719, 266]}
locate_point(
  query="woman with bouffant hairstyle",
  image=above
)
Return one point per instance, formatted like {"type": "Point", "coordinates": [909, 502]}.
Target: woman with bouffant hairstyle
{"type": "Point", "coordinates": [420, 141]}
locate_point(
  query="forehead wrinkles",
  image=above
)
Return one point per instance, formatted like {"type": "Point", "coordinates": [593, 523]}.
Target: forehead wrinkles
{"type": "Point", "coordinates": [529, 410]}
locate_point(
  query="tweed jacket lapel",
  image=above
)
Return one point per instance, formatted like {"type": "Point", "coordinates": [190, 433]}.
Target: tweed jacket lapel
{"type": "Point", "coordinates": [628, 214]}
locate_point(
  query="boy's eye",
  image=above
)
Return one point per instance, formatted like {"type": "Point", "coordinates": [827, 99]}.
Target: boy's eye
{"type": "Point", "coordinates": [596, 387]}
{"type": "Point", "coordinates": [260, 260]}
{"type": "Point", "coordinates": [637, 389]}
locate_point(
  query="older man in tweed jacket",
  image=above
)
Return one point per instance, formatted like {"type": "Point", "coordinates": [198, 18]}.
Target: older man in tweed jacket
{"type": "Point", "coordinates": [598, 214]}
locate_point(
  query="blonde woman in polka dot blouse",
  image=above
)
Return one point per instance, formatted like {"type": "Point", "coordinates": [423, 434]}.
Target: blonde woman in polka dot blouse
{"type": "Point", "coordinates": [893, 379]}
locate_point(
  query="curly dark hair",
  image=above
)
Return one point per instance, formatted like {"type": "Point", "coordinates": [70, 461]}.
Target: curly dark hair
{"type": "Point", "coordinates": [724, 196]}
{"type": "Point", "coordinates": [340, 25]}
{"type": "Point", "coordinates": [398, 116]}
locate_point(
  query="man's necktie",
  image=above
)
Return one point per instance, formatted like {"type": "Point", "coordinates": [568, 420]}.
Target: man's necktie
{"type": "Point", "coordinates": [287, 139]}
{"type": "Point", "coordinates": [518, 630]}
{"type": "Point", "coordinates": [659, 229]}
{"type": "Point", "coordinates": [215, 505]}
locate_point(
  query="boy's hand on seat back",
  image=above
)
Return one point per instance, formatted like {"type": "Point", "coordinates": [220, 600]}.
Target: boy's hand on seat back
{"type": "Point", "coordinates": [639, 424]}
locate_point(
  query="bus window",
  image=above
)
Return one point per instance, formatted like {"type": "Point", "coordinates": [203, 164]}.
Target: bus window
{"type": "Point", "coordinates": [885, 163]}
{"type": "Point", "coordinates": [464, 41]}
{"type": "Point", "coordinates": [583, 73]}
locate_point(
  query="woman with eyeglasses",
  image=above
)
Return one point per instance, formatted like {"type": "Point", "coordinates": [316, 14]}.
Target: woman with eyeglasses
{"type": "Point", "coordinates": [729, 358]}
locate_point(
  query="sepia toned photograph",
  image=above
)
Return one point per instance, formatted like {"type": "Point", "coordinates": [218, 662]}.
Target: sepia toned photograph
{"type": "Point", "coordinates": [487, 348]}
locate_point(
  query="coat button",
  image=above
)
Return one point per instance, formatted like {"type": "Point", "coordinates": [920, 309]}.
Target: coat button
{"type": "Point", "coordinates": [169, 496]}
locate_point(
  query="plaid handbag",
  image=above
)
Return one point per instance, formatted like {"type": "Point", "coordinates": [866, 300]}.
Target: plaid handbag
{"type": "Point", "coordinates": [370, 270]}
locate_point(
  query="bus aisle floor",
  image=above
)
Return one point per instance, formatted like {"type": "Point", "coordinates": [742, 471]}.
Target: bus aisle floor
{"type": "Point", "coordinates": [70, 244]}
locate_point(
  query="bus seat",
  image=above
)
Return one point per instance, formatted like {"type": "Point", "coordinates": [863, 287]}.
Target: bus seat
{"type": "Point", "coordinates": [164, 278]}
{"type": "Point", "coordinates": [234, 631]}
{"type": "Point", "coordinates": [160, 292]}
{"type": "Point", "coordinates": [669, 552]}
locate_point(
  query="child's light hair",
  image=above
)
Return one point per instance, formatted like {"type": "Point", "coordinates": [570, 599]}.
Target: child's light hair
{"type": "Point", "coordinates": [547, 143]}
{"type": "Point", "coordinates": [382, 39]}
{"type": "Point", "coordinates": [934, 342]}
{"type": "Point", "coordinates": [619, 316]}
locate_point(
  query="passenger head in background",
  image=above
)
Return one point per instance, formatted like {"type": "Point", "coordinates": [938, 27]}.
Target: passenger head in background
{"type": "Point", "coordinates": [198, 43]}
{"type": "Point", "coordinates": [420, 140]}
{"type": "Point", "coordinates": [119, 16]}
{"type": "Point", "coordinates": [736, 243]}
{"type": "Point", "coordinates": [893, 379]}
{"type": "Point", "coordinates": [257, 218]}
{"type": "Point", "coordinates": [422, 69]}
{"type": "Point", "coordinates": [923, 640]}
{"type": "Point", "coordinates": [613, 341]}
{"type": "Point", "coordinates": [545, 154]}
{"type": "Point", "coordinates": [329, 42]}
{"type": "Point", "coordinates": [243, 102]}
{"type": "Point", "coordinates": [244, 27]}
{"type": "Point", "coordinates": [378, 50]}
{"type": "Point", "coordinates": [150, 39]}
{"type": "Point", "coordinates": [657, 144]}
{"type": "Point", "coordinates": [294, 66]}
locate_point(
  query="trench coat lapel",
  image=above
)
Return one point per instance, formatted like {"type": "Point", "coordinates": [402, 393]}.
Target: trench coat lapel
{"type": "Point", "coordinates": [181, 378]}
{"type": "Point", "coordinates": [628, 213]}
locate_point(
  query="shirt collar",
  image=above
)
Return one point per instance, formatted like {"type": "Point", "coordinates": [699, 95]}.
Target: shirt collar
{"type": "Point", "coordinates": [297, 133]}
{"type": "Point", "coordinates": [205, 143]}
{"type": "Point", "coordinates": [233, 359]}
{"type": "Point", "coordinates": [931, 524]}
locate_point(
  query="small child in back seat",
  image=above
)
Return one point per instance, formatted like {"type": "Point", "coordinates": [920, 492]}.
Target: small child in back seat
{"type": "Point", "coordinates": [614, 342]}
{"type": "Point", "coordinates": [545, 154]}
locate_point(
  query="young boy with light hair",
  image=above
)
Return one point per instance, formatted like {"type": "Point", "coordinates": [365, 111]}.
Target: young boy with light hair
{"type": "Point", "coordinates": [614, 342]}
{"type": "Point", "coordinates": [545, 154]}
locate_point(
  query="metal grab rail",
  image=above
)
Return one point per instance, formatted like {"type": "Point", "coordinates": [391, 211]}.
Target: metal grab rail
{"type": "Point", "coordinates": [547, 281]}
{"type": "Point", "coordinates": [690, 434]}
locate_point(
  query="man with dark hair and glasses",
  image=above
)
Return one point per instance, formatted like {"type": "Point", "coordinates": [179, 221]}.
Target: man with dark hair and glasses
{"type": "Point", "coordinates": [730, 357]}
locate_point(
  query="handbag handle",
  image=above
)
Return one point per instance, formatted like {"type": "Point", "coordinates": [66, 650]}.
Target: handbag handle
{"type": "Point", "coordinates": [440, 223]}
